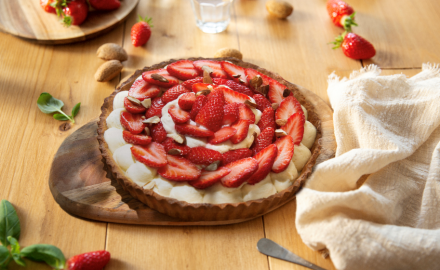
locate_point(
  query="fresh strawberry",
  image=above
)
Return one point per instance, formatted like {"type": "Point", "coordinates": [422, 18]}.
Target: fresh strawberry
{"type": "Point", "coordinates": [141, 31]}
{"type": "Point", "coordinates": [265, 158]}
{"type": "Point", "coordinates": [235, 155]}
{"type": "Point", "coordinates": [136, 138]}
{"type": "Point", "coordinates": [152, 155]}
{"type": "Point", "coordinates": [211, 114]}
{"type": "Point", "coordinates": [203, 156]}
{"type": "Point", "coordinates": [245, 113]}
{"type": "Point", "coordinates": [218, 71]}
{"type": "Point", "coordinates": [234, 86]}
{"type": "Point", "coordinates": [46, 5]}
{"type": "Point", "coordinates": [341, 13]}
{"type": "Point", "coordinates": [235, 72]}
{"type": "Point", "coordinates": [354, 46]}
{"type": "Point", "coordinates": [288, 106]}
{"type": "Point", "coordinates": [105, 4]}
{"type": "Point", "coordinates": [186, 101]}
{"type": "Point", "coordinates": [156, 108]}
{"type": "Point", "coordinates": [141, 90]}
{"type": "Point", "coordinates": [222, 135]}
{"type": "Point", "coordinates": [171, 81]}
{"type": "Point", "coordinates": [241, 170]}
{"type": "Point", "coordinates": [263, 140]}
{"type": "Point", "coordinates": [169, 144]}
{"type": "Point", "coordinates": [178, 115]}
{"type": "Point", "coordinates": [285, 153]}
{"type": "Point", "coordinates": [231, 96]}
{"type": "Point", "coordinates": [173, 93]}
{"type": "Point", "coordinates": [75, 12]}
{"type": "Point", "coordinates": [200, 86]}
{"type": "Point", "coordinates": [158, 133]}
{"type": "Point", "coordinates": [220, 81]}
{"type": "Point", "coordinates": [189, 83]}
{"type": "Point", "coordinates": [276, 91]}
{"type": "Point", "coordinates": [89, 261]}
{"type": "Point", "coordinates": [132, 122]}
{"type": "Point", "coordinates": [262, 102]}
{"type": "Point", "coordinates": [179, 169]}
{"type": "Point", "coordinates": [267, 119]}
{"type": "Point", "coordinates": [230, 113]}
{"type": "Point", "coordinates": [251, 73]}
{"type": "Point", "coordinates": [242, 127]}
{"type": "Point", "coordinates": [198, 104]}
{"type": "Point", "coordinates": [295, 127]}
{"type": "Point", "coordinates": [132, 107]}
{"type": "Point", "coordinates": [183, 69]}
{"type": "Point", "coordinates": [209, 178]}
{"type": "Point", "coordinates": [193, 131]}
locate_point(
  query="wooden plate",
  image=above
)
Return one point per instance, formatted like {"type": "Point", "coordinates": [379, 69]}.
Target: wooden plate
{"type": "Point", "coordinates": [83, 187]}
{"type": "Point", "coordinates": [26, 19]}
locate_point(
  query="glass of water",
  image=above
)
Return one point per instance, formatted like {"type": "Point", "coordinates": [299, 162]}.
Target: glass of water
{"type": "Point", "coordinates": [212, 16]}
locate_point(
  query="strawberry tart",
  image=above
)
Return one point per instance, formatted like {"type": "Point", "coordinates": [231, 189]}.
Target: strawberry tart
{"type": "Point", "coordinates": [209, 139]}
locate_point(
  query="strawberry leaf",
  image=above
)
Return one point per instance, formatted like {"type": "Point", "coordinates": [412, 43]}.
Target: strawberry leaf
{"type": "Point", "coordinates": [75, 109]}
{"type": "Point", "coordinates": [52, 255]}
{"type": "Point", "coordinates": [60, 117]}
{"type": "Point", "coordinates": [49, 104]}
{"type": "Point", "coordinates": [9, 223]}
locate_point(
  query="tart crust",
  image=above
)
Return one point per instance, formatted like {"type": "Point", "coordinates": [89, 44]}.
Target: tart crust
{"type": "Point", "coordinates": [203, 211]}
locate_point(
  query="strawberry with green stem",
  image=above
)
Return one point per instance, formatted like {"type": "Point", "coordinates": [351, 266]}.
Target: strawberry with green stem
{"type": "Point", "coordinates": [73, 12]}
{"type": "Point", "coordinates": [354, 46]}
{"type": "Point", "coordinates": [341, 13]}
{"type": "Point", "coordinates": [141, 31]}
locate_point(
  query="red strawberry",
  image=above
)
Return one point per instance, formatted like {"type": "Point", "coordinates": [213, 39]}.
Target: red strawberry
{"type": "Point", "coordinates": [209, 178]}
{"type": "Point", "coordinates": [152, 155]}
{"type": "Point", "coordinates": [267, 119]}
{"type": "Point", "coordinates": [132, 122]}
{"type": "Point", "coordinates": [220, 81]}
{"type": "Point", "coordinates": [230, 113]}
{"type": "Point", "coordinates": [46, 5]}
{"type": "Point", "coordinates": [263, 140]}
{"type": "Point", "coordinates": [147, 76]}
{"type": "Point", "coordinates": [75, 12]}
{"type": "Point", "coordinates": [141, 90]}
{"type": "Point", "coordinates": [136, 139]}
{"type": "Point", "coordinates": [173, 93]}
{"type": "Point", "coordinates": [234, 86]}
{"type": "Point", "coordinates": [203, 156]}
{"type": "Point", "coordinates": [133, 107]}
{"type": "Point", "coordinates": [231, 96]}
{"type": "Point", "coordinates": [245, 113]}
{"type": "Point", "coordinates": [235, 155]}
{"type": "Point", "coordinates": [158, 133]}
{"type": "Point", "coordinates": [233, 71]}
{"type": "Point", "coordinates": [295, 127]}
{"type": "Point", "coordinates": [242, 127]}
{"type": "Point", "coordinates": [141, 31]}
{"type": "Point", "coordinates": [105, 4]}
{"type": "Point", "coordinates": [251, 73]}
{"type": "Point", "coordinates": [218, 71]}
{"type": "Point", "coordinates": [285, 153]}
{"type": "Point", "coordinates": [265, 158]}
{"type": "Point", "coordinates": [179, 116]}
{"type": "Point", "coordinates": [156, 108]}
{"type": "Point", "coordinates": [198, 104]}
{"type": "Point", "coordinates": [89, 261]}
{"type": "Point", "coordinates": [179, 169]}
{"type": "Point", "coordinates": [193, 131]}
{"type": "Point", "coordinates": [241, 170]}
{"type": "Point", "coordinates": [200, 86]}
{"type": "Point", "coordinates": [186, 101]}
{"type": "Point", "coordinates": [183, 69]}
{"type": "Point", "coordinates": [288, 106]}
{"type": "Point", "coordinates": [169, 144]}
{"type": "Point", "coordinates": [262, 102]}
{"type": "Point", "coordinates": [355, 46]}
{"type": "Point", "coordinates": [211, 115]}
{"type": "Point", "coordinates": [189, 83]}
{"type": "Point", "coordinates": [341, 14]}
{"type": "Point", "coordinates": [276, 91]}
{"type": "Point", "coordinates": [222, 135]}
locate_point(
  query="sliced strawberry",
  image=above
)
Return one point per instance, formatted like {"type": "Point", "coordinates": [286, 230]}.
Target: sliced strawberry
{"type": "Point", "coordinates": [288, 106]}
{"type": "Point", "coordinates": [193, 131]}
{"type": "Point", "coordinates": [242, 127]}
{"type": "Point", "coordinates": [285, 153]}
{"type": "Point", "coordinates": [156, 108]}
{"type": "Point", "coordinates": [265, 158]}
{"type": "Point", "coordinates": [263, 140]}
{"type": "Point", "coordinates": [189, 83]}
{"type": "Point", "coordinates": [295, 127]}
{"type": "Point", "coordinates": [222, 135]}
{"type": "Point", "coordinates": [211, 114]}
{"type": "Point", "coordinates": [186, 101]}
{"type": "Point", "coordinates": [170, 144]}
{"type": "Point", "coordinates": [267, 119]}
{"type": "Point", "coordinates": [231, 96]}
{"type": "Point", "coordinates": [218, 71]}
{"type": "Point", "coordinates": [173, 93]}
{"type": "Point", "coordinates": [276, 91]}
{"type": "Point", "coordinates": [162, 72]}
{"type": "Point", "coordinates": [220, 81]}
{"type": "Point", "coordinates": [152, 155]}
{"type": "Point", "coordinates": [251, 73]}
{"type": "Point", "coordinates": [183, 69]}
{"type": "Point", "coordinates": [262, 102]}
{"type": "Point", "coordinates": [141, 90]}
{"type": "Point", "coordinates": [179, 116]}
{"type": "Point", "coordinates": [200, 86]}
{"type": "Point", "coordinates": [234, 155]}
{"type": "Point", "coordinates": [230, 113]}
{"type": "Point", "coordinates": [209, 178]}
{"type": "Point", "coordinates": [203, 156]}
{"type": "Point", "coordinates": [235, 72]}
{"type": "Point", "coordinates": [133, 107]}
{"type": "Point", "coordinates": [245, 113]}
{"type": "Point", "coordinates": [241, 170]}
{"type": "Point", "coordinates": [140, 139]}
{"type": "Point", "coordinates": [234, 86]}
{"type": "Point", "coordinates": [132, 122]}
{"type": "Point", "coordinates": [198, 104]}
{"type": "Point", "coordinates": [179, 169]}
{"type": "Point", "coordinates": [158, 133]}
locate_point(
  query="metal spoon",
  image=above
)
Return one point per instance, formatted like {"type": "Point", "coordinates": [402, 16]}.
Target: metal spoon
{"type": "Point", "coordinates": [270, 248]}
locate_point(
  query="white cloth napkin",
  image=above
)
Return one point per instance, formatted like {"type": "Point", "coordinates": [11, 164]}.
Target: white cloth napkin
{"type": "Point", "coordinates": [388, 127]}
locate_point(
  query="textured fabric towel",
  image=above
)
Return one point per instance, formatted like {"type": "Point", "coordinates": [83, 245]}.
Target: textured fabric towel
{"type": "Point", "coordinates": [387, 127]}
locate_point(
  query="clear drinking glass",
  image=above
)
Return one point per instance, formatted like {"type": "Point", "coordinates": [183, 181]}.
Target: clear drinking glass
{"type": "Point", "coordinates": [212, 16]}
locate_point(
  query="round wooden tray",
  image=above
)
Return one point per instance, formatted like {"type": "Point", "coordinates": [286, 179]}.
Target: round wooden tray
{"type": "Point", "coordinates": [26, 19]}
{"type": "Point", "coordinates": [83, 187]}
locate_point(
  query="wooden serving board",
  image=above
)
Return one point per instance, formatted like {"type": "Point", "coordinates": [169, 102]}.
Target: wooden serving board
{"type": "Point", "coordinates": [26, 19]}
{"type": "Point", "coordinates": [81, 185]}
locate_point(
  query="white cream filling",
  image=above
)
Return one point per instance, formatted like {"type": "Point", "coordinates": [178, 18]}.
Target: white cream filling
{"type": "Point", "coordinates": [309, 134]}
{"type": "Point", "coordinates": [185, 192]}
{"type": "Point", "coordinates": [263, 189]}
{"type": "Point", "coordinates": [284, 179]}
{"type": "Point", "coordinates": [301, 155]}
{"type": "Point", "coordinates": [113, 137]}
{"type": "Point", "coordinates": [114, 118]}
{"type": "Point", "coordinates": [218, 194]}
{"type": "Point", "coordinates": [141, 174]}
{"type": "Point", "coordinates": [306, 115]}
{"type": "Point", "coordinates": [118, 101]}
{"type": "Point", "coordinates": [123, 157]}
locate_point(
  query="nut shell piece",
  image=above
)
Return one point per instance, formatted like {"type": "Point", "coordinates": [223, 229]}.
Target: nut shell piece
{"type": "Point", "coordinates": [228, 52]}
{"type": "Point", "coordinates": [279, 9]}
{"type": "Point", "coordinates": [112, 51]}
{"type": "Point", "coordinates": [108, 71]}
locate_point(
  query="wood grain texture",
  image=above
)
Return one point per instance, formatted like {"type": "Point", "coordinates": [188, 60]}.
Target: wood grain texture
{"type": "Point", "coordinates": [26, 19]}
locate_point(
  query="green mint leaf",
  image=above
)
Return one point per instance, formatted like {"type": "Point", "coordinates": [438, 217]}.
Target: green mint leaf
{"type": "Point", "coordinates": [60, 117]}
{"type": "Point", "coordinates": [9, 223]}
{"type": "Point", "coordinates": [15, 250]}
{"type": "Point", "coordinates": [49, 104]}
{"type": "Point", "coordinates": [5, 257]}
{"type": "Point", "coordinates": [52, 255]}
{"type": "Point", "coordinates": [75, 109]}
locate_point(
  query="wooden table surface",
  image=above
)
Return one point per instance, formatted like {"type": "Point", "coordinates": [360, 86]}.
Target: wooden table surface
{"type": "Point", "coordinates": [404, 33]}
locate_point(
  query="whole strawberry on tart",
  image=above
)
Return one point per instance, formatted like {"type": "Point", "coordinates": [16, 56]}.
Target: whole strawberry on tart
{"type": "Point", "coordinates": [209, 139]}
